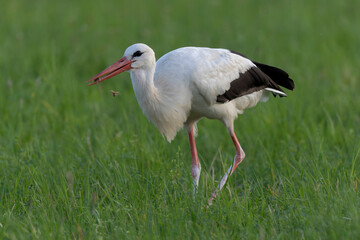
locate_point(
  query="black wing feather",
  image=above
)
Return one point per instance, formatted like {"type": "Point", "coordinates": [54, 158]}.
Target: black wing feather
{"type": "Point", "coordinates": [251, 81]}
{"type": "Point", "coordinates": [278, 75]}
{"type": "Point", "coordinates": [255, 79]}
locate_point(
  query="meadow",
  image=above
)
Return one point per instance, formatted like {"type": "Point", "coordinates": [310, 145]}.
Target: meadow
{"type": "Point", "coordinates": [78, 163]}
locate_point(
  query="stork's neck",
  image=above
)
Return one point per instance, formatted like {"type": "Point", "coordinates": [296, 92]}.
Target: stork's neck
{"type": "Point", "coordinates": [162, 105]}
{"type": "Point", "coordinates": [145, 90]}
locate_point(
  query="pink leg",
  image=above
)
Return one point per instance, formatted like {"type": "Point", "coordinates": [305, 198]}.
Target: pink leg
{"type": "Point", "coordinates": [196, 167]}
{"type": "Point", "coordinates": [240, 155]}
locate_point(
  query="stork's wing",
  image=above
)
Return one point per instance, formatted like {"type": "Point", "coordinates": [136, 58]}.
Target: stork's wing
{"type": "Point", "coordinates": [248, 82]}
{"type": "Point", "coordinates": [223, 75]}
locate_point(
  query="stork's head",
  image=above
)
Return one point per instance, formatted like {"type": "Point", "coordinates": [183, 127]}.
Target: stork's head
{"type": "Point", "coordinates": [136, 56]}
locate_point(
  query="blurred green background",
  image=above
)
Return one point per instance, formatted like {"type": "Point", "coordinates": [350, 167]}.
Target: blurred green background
{"type": "Point", "coordinates": [76, 162]}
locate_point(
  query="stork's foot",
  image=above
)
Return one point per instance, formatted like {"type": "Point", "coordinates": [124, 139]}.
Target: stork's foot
{"type": "Point", "coordinates": [195, 173]}
{"type": "Point", "coordinates": [237, 160]}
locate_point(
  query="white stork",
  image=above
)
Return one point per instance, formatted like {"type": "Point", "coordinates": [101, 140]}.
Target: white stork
{"type": "Point", "coordinates": [190, 83]}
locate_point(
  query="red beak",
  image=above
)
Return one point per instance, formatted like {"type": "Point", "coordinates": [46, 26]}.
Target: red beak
{"type": "Point", "coordinates": [120, 66]}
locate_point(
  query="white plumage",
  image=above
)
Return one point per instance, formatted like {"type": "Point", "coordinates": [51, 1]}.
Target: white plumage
{"type": "Point", "coordinates": [190, 83]}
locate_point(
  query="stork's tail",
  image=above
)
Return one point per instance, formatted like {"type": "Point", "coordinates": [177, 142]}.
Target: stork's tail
{"type": "Point", "coordinates": [276, 92]}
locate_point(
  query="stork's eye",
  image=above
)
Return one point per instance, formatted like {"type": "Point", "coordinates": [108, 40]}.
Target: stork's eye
{"type": "Point", "coordinates": [137, 54]}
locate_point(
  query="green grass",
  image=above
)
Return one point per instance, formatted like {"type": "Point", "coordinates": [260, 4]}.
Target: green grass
{"type": "Point", "coordinates": [76, 163]}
